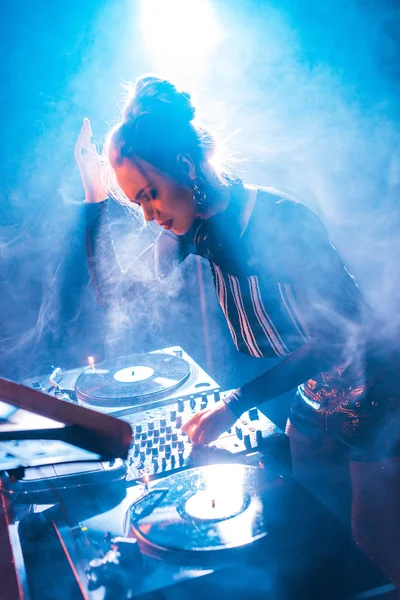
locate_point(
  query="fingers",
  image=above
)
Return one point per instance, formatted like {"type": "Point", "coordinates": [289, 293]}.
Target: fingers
{"type": "Point", "coordinates": [85, 143]}
{"type": "Point", "coordinates": [200, 428]}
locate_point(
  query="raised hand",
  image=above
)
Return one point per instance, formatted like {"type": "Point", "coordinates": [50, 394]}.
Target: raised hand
{"type": "Point", "coordinates": [90, 165]}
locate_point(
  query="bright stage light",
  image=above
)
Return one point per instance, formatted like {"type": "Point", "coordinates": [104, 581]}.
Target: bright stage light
{"type": "Point", "coordinates": [180, 37]}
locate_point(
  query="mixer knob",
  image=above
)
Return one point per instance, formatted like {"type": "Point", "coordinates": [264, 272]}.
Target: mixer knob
{"type": "Point", "coordinates": [138, 428]}
{"type": "Point", "coordinates": [163, 422]}
{"type": "Point", "coordinates": [181, 405]}
{"type": "Point", "coordinates": [154, 451]}
{"type": "Point", "coordinates": [247, 441]}
{"type": "Point", "coordinates": [172, 415]}
{"type": "Point", "coordinates": [168, 449]}
{"type": "Point", "coordinates": [178, 422]}
{"type": "Point", "coordinates": [204, 401]}
{"type": "Point", "coordinates": [150, 425]}
{"type": "Point", "coordinates": [217, 396]}
{"type": "Point", "coordinates": [181, 445]}
{"type": "Point", "coordinates": [173, 460]}
{"type": "Point", "coordinates": [163, 463]}
{"type": "Point", "coordinates": [253, 414]}
{"type": "Point", "coordinates": [149, 443]}
{"type": "Point", "coordinates": [239, 432]}
{"type": "Point", "coordinates": [174, 437]}
{"type": "Point", "coordinates": [192, 402]}
{"type": "Point", "coordinates": [259, 437]}
{"type": "Point", "coordinates": [162, 441]}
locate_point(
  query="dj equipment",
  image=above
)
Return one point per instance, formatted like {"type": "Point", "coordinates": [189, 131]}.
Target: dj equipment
{"type": "Point", "coordinates": [231, 529]}
{"type": "Point", "coordinates": [155, 393]}
{"type": "Point", "coordinates": [170, 514]}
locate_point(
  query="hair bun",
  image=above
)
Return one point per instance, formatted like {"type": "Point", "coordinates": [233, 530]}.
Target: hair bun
{"type": "Point", "coordinates": [159, 98]}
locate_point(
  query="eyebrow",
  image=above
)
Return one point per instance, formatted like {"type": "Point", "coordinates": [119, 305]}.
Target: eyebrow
{"type": "Point", "coordinates": [141, 192]}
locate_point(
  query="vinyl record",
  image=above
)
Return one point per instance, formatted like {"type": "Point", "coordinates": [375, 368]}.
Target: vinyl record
{"type": "Point", "coordinates": [199, 515]}
{"type": "Point", "coordinates": [131, 380]}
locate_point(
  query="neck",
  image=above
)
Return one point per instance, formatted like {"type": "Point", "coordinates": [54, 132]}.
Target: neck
{"type": "Point", "coordinates": [218, 195]}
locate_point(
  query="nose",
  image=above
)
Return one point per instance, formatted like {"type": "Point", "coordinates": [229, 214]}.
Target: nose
{"type": "Point", "coordinates": [148, 214]}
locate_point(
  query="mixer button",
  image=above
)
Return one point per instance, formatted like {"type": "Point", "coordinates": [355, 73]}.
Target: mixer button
{"type": "Point", "coordinates": [168, 437]}
{"type": "Point", "coordinates": [143, 443]}
{"type": "Point", "coordinates": [247, 441]}
{"type": "Point", "coordinates": [138, 428]}
{"type": "Point", "coordinates": [181, 458]}
{"type": "Point", "coordinates": [181, 405]}
{"type": "Point", "coordinates": [156, 433]}
{"type": "Point", "coordinates": [178, 422]}
{"type": "Point", "coordinates": [163, 463]}
{"type": "Point", "coordinates": [174, 437]}
{"type": "Point", "coordinates": [167, 448]}
{"type": "Point", "coordinates": [181, 445]}
{"type": "Point", "coordinates": [173, 460]}
{"type": "Point", "coordinates": [144, 435]}
{"type": "Point", "coordinates": [259, 437]}
{"type": "Point", "coordinates": [217, 396]}
{"type": "Point", "coordinates": [149, 443]}
{"type": "Point", "coordinates": [204, 401]}
{"type": "Point", "coordinates": [150, 425]}
{"type": "Point", "coordinates": [163, 422]}
{"type": "Point", "coordinates": [137, 449]}
{"type": "Point", "coordinates": [168, 429]}
{"type": "Point", "coordinates": [155, 465]}
{"type": "Point", "coordinates": [253, 414]}
{"type": "Point", "coordinates": [154, 451]}
{"type": "Point", "coordinates": [142, 455]}
{"type": "Point", "coordinates": [162, 441]}
{"type": "Point", "coordinates": [174, 443]}
{"type": "Point", "coordinates": [239, 432]}
{"type": "Point", "coordinates": [172, 415]}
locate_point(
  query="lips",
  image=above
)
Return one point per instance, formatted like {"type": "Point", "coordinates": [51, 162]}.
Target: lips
{"type": "Point", "coordinates": [167, 224]}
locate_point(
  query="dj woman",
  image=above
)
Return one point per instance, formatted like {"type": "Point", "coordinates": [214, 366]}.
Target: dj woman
{"type": "Point", "coordinates": [284, 292]}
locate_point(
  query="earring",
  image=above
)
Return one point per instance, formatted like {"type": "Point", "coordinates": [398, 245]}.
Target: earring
{"type": "Point", "coordinates": [199, 195]}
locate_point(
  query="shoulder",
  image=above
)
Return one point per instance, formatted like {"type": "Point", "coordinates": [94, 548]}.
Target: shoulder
{"type": "Point", "coordinates": [287, 216]}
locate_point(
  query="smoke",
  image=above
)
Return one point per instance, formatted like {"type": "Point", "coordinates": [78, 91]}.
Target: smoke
{"type": "Point", "coordinates": [306, 94]}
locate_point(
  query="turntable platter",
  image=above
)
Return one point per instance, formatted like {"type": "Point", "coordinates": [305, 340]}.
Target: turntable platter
{"type": "Point", "coordinates": [202, 514]}
{"type": "Point", "coordinates": [131, 380]}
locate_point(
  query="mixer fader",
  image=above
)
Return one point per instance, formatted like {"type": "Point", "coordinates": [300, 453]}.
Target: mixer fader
{"type": "Point", "coordinates": [159, 445]}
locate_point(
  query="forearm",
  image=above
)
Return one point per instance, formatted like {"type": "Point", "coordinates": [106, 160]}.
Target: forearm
{"type": "Point", "coordinates": [306, 362]}
{"type": "Point", "coordinates": [111, 282]}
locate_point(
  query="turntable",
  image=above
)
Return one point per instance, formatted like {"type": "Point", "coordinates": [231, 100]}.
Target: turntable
{"type": "Point", "coordinates": [224, 529]}
{"type": "Point", "coordinates": [130, 383]}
